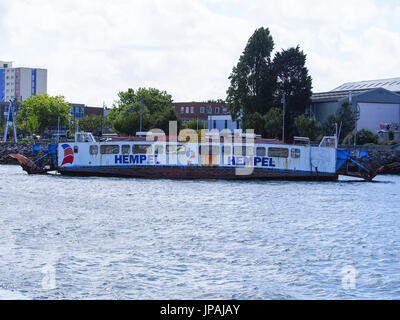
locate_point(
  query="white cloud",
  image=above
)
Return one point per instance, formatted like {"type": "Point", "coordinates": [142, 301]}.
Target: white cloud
{"type": "Point", "coordinates": [93, 49]}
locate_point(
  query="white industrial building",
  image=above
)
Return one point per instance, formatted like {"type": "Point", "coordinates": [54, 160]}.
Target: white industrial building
{"type": "Point", "coordinates": [378, 102]}
{"type": "Point", "coordinates": [21, 83]}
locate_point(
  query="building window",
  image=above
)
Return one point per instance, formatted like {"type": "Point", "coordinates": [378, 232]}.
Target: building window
{"type": "Point", "coordinates": [217, 110]}
{"type": "Point", "coordinates": [191, 109]}
{"type": "Point", "coordinates": [182, 109]}
{"type": "Point", "coordinates": [202, 109]}
{"type": "Point", "coordinates": [209, 109]}
{"type": "Point", "coordinates": [187, 109]}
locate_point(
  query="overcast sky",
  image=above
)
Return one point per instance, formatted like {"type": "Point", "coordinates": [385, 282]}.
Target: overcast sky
{"type": "Point", "coordinates": [94, 49]}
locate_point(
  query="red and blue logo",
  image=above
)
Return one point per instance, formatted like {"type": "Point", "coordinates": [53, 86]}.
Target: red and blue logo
{"type": "Point", "coordinates": [68, 154]}
{"type": "Point", "coordinates": [190, 154]}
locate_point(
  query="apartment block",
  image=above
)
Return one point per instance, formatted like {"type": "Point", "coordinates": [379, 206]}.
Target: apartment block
{"type": "Point", "coordinates": [21, 83]}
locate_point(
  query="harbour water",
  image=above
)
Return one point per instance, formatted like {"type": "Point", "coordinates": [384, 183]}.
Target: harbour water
{"type": "Point", "coordinates": [111, 238]}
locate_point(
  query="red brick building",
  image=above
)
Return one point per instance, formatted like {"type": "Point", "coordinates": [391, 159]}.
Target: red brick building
{"type": "Point", "coordinates": [200, 110]}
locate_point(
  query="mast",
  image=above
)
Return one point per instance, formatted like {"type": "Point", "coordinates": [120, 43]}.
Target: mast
{"type": "Point", "coordinates": [10, 121]}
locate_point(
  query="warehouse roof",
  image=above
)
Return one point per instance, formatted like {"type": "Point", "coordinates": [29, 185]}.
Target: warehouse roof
{"type": "Point", "coordinates": [392, 84]}
{"type": "Point", "coordinates": [334, 95]}
{"type": "Point", "coordinates": [356, 88]}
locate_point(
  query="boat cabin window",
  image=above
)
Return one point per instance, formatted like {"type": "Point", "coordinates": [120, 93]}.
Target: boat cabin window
{"type": "Point", "coordinates": [261, 152]}
{"type": "Point", "coordinates": [209, 149]}
{"type": "Point", "coordinates": [94, 150]}
{"type": "Point", "coordinates": [158, 149]}
{"type": "Point", "coordinates": [76, 149]}
{"type": "Point", "coordinates": [295, 153]}
{"type": "Point", "coordinates": [243, 151]}
{"type": "Point", "coordinates": [109, 149]}
{"type": "Point", "coordinates": [278, 152]}
{"type": "Point", "coordinates": [176, 149]}
{"type": "Point", "coordinates": [226, 150]}
{"type": "Point", "coordinates": [126, 149]}
{"type": "Point", "coordinates": [141, 149]}
{"type": "Point", "coordinates": [328, 142]}
{"type": "Point", "coordinates": [215, 150]}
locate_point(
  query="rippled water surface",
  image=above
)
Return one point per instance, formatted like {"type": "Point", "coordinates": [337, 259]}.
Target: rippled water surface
{"type": "Point", "coordinates": [109, 238]}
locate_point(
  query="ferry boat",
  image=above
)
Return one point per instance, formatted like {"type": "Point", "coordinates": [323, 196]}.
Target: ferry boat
{"type": "Point", "coordinates": [234, 157]}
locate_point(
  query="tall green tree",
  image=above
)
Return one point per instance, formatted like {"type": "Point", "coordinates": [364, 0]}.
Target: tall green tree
{"type": "Point", "coordinates": [157, 109]}
{"type": "Point", "coordinates": [195, 124]}
{"type": "Point", "coordinates": [268, 125]}
{"type": "Point", "coordinates": [92, 124]}
{"type": "Point", "coordinates": [273, 123]}
{"type": "Point", "coordinates": [42, 111]}
{"type": "Point", "coordinates": [308, 127]}
{"type": "Point", "coordinates": [258, 83]}
{"type": "Point", "coordinates": [344, 118]}
{"type": "Point", "coordinates": [252, 81]}
{"type": "Point", "coordinates": [293, 82]}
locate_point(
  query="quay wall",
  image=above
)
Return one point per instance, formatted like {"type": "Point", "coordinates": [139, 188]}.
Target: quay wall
{"type": "Point", "coordinates": [25, 149]}
{"type": "Point", "coordinates": [381, 155]}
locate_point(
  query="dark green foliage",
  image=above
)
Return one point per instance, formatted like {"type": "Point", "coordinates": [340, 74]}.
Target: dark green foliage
{"type": "Point", "coordinates": [158, 110]}
{"type": "Point", "coordinates": [363, 137]}
{"type": "Point", "coordinates": [308, 127]}
{"type": "Point", "coordinates": [252, 80]}
{"type": "Point", "coordinates": [268, 125]}
{"type": "Point", "coordinates": [254, 121]}
{"type": "Point", "coordinates": [91, 124]}
{"type": "Point", "coordinates": [294, 82]}
{"type": "Point", "coordinates": [344, 117]}
{"type": "Point", "coordinates": [192, 124]}
{"type": "Point", "coordinates": [257, 84]}
{"type": "Point", "coordinates": [42, 111]}
{"type": "Point", "coordinates": [273, 123]}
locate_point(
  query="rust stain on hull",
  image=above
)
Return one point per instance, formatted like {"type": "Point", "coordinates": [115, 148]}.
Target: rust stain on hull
{"type": "Point", "coordinates": [206, 173]}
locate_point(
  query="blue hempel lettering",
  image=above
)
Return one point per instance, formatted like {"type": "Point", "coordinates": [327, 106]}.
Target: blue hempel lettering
{"type": "Point", "coordinates": [136, 159]}
{"type": "Point", "coordinates": [242, 161]}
